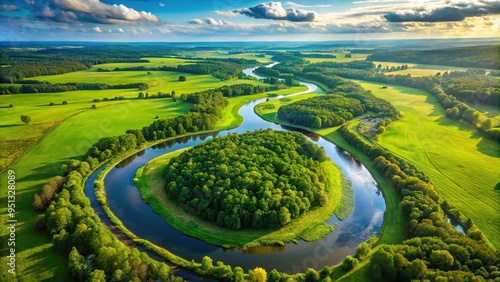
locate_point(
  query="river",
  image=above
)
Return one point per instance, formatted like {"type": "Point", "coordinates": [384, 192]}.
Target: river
{"type": "Point", "coordinates": [366, 220]}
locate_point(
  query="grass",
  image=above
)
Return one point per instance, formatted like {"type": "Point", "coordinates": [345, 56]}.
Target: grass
{"type": "Point", "coordinates": [463, 163]}
{"type": "Point", "coordinates": [153, 63]}
{"type": "Point", "coordinates": [310, 226]}
{"type": "Point", "coordinates": [225, 55]}
{"type": "Point", "coordinates": [392, 231]}
{"type": "Point", "coordinates": [340, 57]}
{"type": "Point", "coordinates": [415, 72]}
{"type": "Point", "coordinates": [231, 118]}
{"type": "Point", "coordinates": [37, 259]}
{"type": "Point", "coordinates": [61, 132]}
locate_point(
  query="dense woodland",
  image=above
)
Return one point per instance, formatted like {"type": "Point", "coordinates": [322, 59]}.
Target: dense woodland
{"type": "Point", "coordinates": [323, 111]}
{"type": "Point", "coordinates": [467, 57]}
{"type": "Point", "coordinates": [253, 180]}
{"type": "Point", "coordinates": [472, 88]}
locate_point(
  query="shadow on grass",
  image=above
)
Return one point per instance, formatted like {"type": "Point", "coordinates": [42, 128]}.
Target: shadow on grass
{"type": "Point", "coordinates": [10, 125]}
{"type": "Point", "coordinates": [486, 145]}
{"type": "Point", "coordinates": [497, 187]}
{"type": "Point", "coordinates": [46, 171]}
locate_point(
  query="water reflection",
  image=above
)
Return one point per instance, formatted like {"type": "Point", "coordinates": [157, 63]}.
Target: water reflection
{"type": "Point", "coordinates": [125, 201]}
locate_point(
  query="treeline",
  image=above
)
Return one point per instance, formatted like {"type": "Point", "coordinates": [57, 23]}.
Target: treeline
{"type": "Point", "coordinates": [223, 70]}
{"type": "Point", "coordinates": [454, 109]}
{"type": "Point", "coordinates": [33, 86]}
{"type": "Point", "coordinates": [436, 251]}
{"type": "Point", "coordinates": [47, 59]}
{"type": "Point", "coordinates": [347, 88]}
{"type": "Point", "coordinates": [361, 65]}
{"type": "Point", "coordinates": [261, 179]}
{"type": "Point", "coordinates": [322, 111]}
{"type": "Point", "coordinates": [95, 254]}
{"type": "Point", "coordinates": [472, 88]}
{"type": "Point", "coordinates": [474, 56]}
{"type": "Point", "coordinates": [77, 230]}
{"type": "Point", "coordinates": [311, 55]}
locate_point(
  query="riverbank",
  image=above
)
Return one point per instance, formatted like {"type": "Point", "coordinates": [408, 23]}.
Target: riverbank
{"type": "Point", "coordinates": [308, 227]}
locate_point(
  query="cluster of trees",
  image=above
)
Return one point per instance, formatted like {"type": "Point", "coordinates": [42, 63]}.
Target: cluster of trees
{"type": "Point", "coordinates": [33, 86]}
{"type": "Point", "coordinates": [474, 56]}
{"type": "Point", "coordinates": [312, 55]}
{"type": "Point", "coordinates": [454, 108]}
{"type": "Point", "coordinates": [361, 65]}
{"type": "Point", "coordinates": [261, 179]}
{"type": "Point", "coordinates": [322, 111]}
{"type": "Point", "coordinates": [391, 69]}
{"type": "Point", "coordinates": [222, 69]}
{"type": "Point", "coordinates": [246, 89]}
{"type": "Point", "coordinates": [94, 253]}
{"type": "Point", "coordinates": [350, 89]}
{"type": "Point", "coordinates": [435, 250]}
{"type": "Point", "coordinates": [472, 88]}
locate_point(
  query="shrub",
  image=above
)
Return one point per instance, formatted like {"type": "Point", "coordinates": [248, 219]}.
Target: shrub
{"type": "Point", "coordinates": [65, 102]}
{"type": "Point", "coordinates": [182, 78]}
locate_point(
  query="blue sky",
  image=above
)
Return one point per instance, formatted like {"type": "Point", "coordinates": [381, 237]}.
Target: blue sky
{"type": "Point", "coordinates": [238, 20]}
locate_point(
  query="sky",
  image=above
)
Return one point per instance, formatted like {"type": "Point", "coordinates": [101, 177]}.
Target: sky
{"type": "Point", "coordinates": [238, 20]}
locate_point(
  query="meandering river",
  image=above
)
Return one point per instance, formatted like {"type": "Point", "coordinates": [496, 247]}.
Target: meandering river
{"type": "Point", "coordinates": [125, 201]}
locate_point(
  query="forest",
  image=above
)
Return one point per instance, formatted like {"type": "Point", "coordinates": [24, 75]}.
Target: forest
{"type": "Point", "coordinates": [262, 179]}
{"type": "Point", "coordinates": [323, 111]}
{"type": "Point", "coordinates": [477, 56]}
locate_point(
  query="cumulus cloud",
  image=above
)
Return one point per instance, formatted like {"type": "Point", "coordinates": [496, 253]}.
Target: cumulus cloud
{"type": "Point", "coordinates": [296, 5]}
{"type": "Point", "coordinates": [275, 11]}
{"type": "Point", "coordinates": [97, 29]}
{"type": "Point", "coordinates": [208, 21]}
{"type": "Point", "coordinates": [8, 8]}
{"type": "Point", "coordinates": [161, 5]}
{"type": "Point", "coordinates": [455, 12]}
{"type": "Point", "coordinates": [94, 11]}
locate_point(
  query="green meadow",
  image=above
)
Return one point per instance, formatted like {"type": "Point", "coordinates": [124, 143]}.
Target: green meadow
{"type": "Point", "coordinates": [340, 57]}
{"type": "Point", "coordinates": [462, 162]}
{"type": "Point", "coordinates": [225, 55]}
{"type": "Point", "coordinates": [153, 63]}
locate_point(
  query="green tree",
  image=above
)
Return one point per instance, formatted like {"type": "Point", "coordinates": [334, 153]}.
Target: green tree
{"type": "Point", "coordinates": [94, 106]}
{"type": "Point", "coordinates": [97, 276]}
{"type": "Point", "coordinates": [349, 263]}
{"type": "Point", "coordinates": [441, 259]}
{"type": "Point", "coordinates": [284, 216]}
{"type": "Point", "coordinates": [26, 119]}
{"type": "Point", "coordinates": [312, 275]}
{"type": "Point", "coordinates": [182, 78]}
{"type": "Point", "coordinates": [362, 251]}
{"type": "Point", "coordinates": [317, 122]}
{"type": "Point", "coordinates": [206, 263]}
{"type": "Point", "coordinates": [141, 95]}
{"type": "Point", "coordinates": [415, 270]}
{"type": "Point", "coordinates": [381, 129]}
{"type": "Point", "coordinates": [274, 276]}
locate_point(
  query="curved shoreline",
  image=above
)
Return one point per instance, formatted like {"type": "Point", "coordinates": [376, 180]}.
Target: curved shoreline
{"type": "Point", "coordinates": [374, 218]}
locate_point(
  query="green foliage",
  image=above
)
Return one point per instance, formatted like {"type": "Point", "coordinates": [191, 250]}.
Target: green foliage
{"type": "Point", "coordinates": [260, 180]}
{"type": "Point", "coordinates": [26, 119]}
{"type": "Point", "coordinates": [349, 263]}
{"type": "Point", "coordinates": [182, 78]}
{"type": "Point", "coordinates": [321, 111]}
{"type": "Point", "coordinates": [259, 274]}
{"type": "Point", "coordinates": [473, 56]}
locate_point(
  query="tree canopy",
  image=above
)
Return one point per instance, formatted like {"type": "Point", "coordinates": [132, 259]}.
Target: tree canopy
{"type": "Point", "coordinates": [259, 179]}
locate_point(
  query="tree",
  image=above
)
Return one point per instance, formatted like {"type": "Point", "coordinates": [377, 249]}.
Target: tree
{"type": "Point", "coordinates": [312, 275]}
{"type": "Point", "coordinates": [349, 263]}
{"type": "Point", "coordinates": [206, 263]}
{"type": "Point", "coordinates": [274, 276]}
{"type": "Point", "coordinates": [141, 95]}
{"type": "Point", "coordinates": [94, 106]}
{"type": "Point", "coordinates": [182, 78]}
{"type": "Point", "coordinates": [362, 250]}
{"type": "Point", "coordinates": [26, 119]}
{"type": "Point", "coordinates": [173, 94]}
{"type": "Point", "coordinates": [381, 129]}
{"type": "Point", "coordinates": [65, 102]}
{"type": "Point", "coordinates": [259, 274]}
{"type": "Point", "coordinates": [441, 259]}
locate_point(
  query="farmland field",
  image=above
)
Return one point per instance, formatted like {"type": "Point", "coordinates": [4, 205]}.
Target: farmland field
{"type": "Point", "coordinates": [462, 162]}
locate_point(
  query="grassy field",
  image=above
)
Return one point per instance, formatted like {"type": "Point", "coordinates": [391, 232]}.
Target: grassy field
{"type": "Point", "coordinates": [463, 164]}
{"type": "Point", "coordinates": [340, 57]}
{"type": "Point", "coordinates": [37, 259]}
{"type": "Point", "coordinates": [310, 226]}
{"type": "Point", "coordinates": [230, 117]}
{"type": "Point", "coordinates": [153, 63]}
{"type": "Point", "coordinates": [61, 132]}
{"type": "Point", "coordinates": [415, 72]}
{"type": "Point", "coordinates": [392, 231]}
{"type": "Point", "coordinates": [225, 55]}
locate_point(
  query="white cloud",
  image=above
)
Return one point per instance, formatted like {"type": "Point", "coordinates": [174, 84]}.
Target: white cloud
{"type": "Point", "coordinates": [161, 5]}
{"type": "Point", "coordinates": [97, 29]}
{"type": "Point", "coordinates": [120, 30]}
{"type": "Point", "coordinates": [296, 5]}
{"type": "Point", "coordinates": [99, 12]}
{"type": "Point", "coordinates": [275, 11]}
